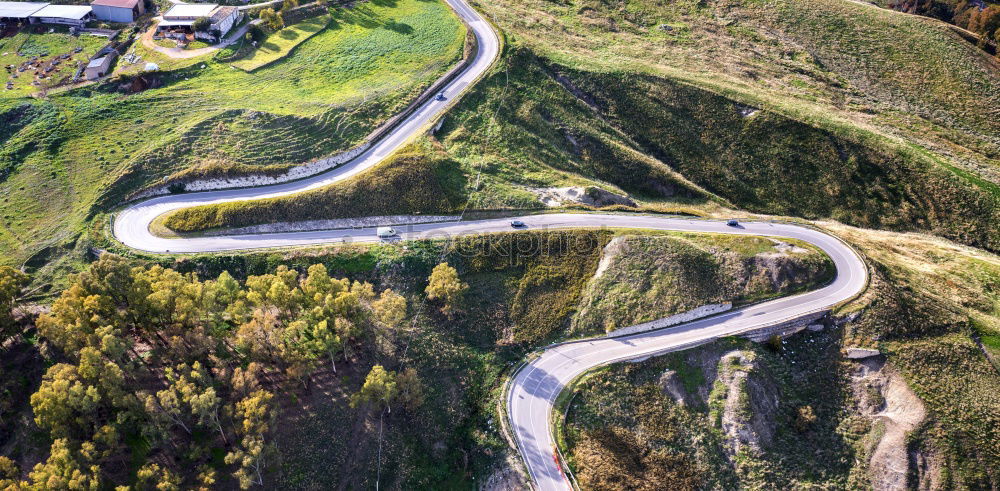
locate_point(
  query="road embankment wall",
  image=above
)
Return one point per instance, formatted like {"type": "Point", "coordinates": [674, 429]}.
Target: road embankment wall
{"type": "Point", "coordinates": [693, 314]}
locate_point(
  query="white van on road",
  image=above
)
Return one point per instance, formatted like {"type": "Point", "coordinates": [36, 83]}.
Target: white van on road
{"type": "Point", "coordinates": [386, 232]}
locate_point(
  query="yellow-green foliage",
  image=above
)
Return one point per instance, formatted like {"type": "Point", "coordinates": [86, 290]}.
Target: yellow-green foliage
{"type": "Point", "coordinates": [411, 182]}
{"type": "Point", "coordinates": [206, 346]}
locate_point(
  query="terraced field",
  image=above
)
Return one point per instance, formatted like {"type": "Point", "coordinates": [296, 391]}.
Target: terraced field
{"type": "Point", "coordinates": [279, 44]}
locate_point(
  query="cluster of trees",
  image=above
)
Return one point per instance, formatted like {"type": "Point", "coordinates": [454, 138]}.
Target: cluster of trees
{"type": "Point", "coordinates": [275, 21]}
{"type": "Point", "coordinates": [191, 368]}
{"type": "Point", "coordinates": [978, 16]}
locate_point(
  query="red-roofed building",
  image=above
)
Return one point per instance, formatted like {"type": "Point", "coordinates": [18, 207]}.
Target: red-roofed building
{"type": "Point", "coordinates": [118, 10]}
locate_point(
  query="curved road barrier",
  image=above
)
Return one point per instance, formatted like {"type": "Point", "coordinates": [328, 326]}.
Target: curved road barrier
{"type": "Point", "coordinates": [534, 387]}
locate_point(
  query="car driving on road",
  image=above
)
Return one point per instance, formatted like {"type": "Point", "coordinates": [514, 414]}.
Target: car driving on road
{"type": "Point", "coordinates": [386, 233]}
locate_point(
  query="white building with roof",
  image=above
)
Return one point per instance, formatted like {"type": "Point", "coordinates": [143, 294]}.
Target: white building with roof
{"type": "Point", "coordinates": [69, 15]}
{"type": "Point", "coordinates": [181, 18]}
{"type": "Point", "coordinates": [99, 67]}
{"type": "Point", "coordinates": [19, 11]}
{"type": "Point", "coordinates": [189, 11]}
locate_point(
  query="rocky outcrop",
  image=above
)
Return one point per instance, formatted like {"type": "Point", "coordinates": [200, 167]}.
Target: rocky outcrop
{"type": "Point", "coordinates": [673, 388]}
{"type": "Point", "coordinates": [590, 196]}
{"type": "Point", "coordinates": [749, 401]}
{"type": "Point", "coordinates": [861, 353]}
{"type": "Point", "coordinates": [894, 411]}
{"type": "Point", "coordinates": [506, 477]}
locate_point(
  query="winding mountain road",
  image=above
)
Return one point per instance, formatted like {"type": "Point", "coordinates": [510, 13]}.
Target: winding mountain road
{"type": "Point", "coordinates": [534, 387]}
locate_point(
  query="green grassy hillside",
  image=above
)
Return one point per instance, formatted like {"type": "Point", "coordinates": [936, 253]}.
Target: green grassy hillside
{"type": "Point", "coordinates": [862, 141]}
{"type": "Point", "coordinates": [644, 278]}
{"type": "Point", "coordinates": [772, 106]}
{"type": "Point", "coordinates": [208, 119]}
{"type": "Point", "coordinates": [278, 44]}
{"type": "Point", "coordinates": [817, 60]}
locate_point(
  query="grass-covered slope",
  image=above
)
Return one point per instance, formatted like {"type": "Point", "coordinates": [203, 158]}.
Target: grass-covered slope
{"type": "Point", "coordinates": [723, 416]}
{"type": "Point", "coordinates": [931, 75]}
{"type": "Point", "coordinates": [205, 118]}
{"type": "Point", "coordinates": [755, 105]}
{"type": "Point", "coordinates": [413, 181]}
{"type": "Point", "coordinates": [644, 278]}
{"type": "Point", "coordinates": [826, 60]}
{"type": "Point", "coordinates": [761, 160]}
{"type": "Point", "coordinates": [278, 44]}
{"type": "Point", "coordinates": [926, 416]}
{"type": "Point", "coordinates": [682, 81]}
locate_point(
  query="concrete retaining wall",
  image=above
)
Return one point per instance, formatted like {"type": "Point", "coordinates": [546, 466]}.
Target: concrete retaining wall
{"type": "Point", "coordinates": [297, 172]}
{"type": "Point", "coordinates": [785, 328]}
{"type": "Point", "coordinates": [694, 314]}
{"type": "Point", "coordinates": [338, 223]}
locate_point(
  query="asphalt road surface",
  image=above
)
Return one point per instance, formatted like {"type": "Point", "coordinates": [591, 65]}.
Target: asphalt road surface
{"type": "Point", "coordinates": [534, 387]}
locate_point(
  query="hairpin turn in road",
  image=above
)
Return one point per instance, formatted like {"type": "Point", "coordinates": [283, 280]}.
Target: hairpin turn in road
{"type": "Point", "coordinates": [535, 386]}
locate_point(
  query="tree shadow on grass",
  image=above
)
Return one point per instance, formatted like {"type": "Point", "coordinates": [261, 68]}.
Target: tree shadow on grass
{"type": "Point", "coordinates": [364, 16]}
{"type": "Point", "coordinates": [399, 27]}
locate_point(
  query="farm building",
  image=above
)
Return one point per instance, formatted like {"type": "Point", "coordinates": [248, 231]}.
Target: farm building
{"type": "Point", "coordinates": [99, 67]}
{"type": "Point", "coordinates": [220, 22]}
{"type": "Point", "coordinates": [18, 12]}
{"type": "Point", "coordinates": [189, 12]}
{"type": "Point", "coordinates": [180, 20]}
{"type": "Point", "coordinates": [118, 10]}
{"type": "Point", "coordinates": [70, 15]}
